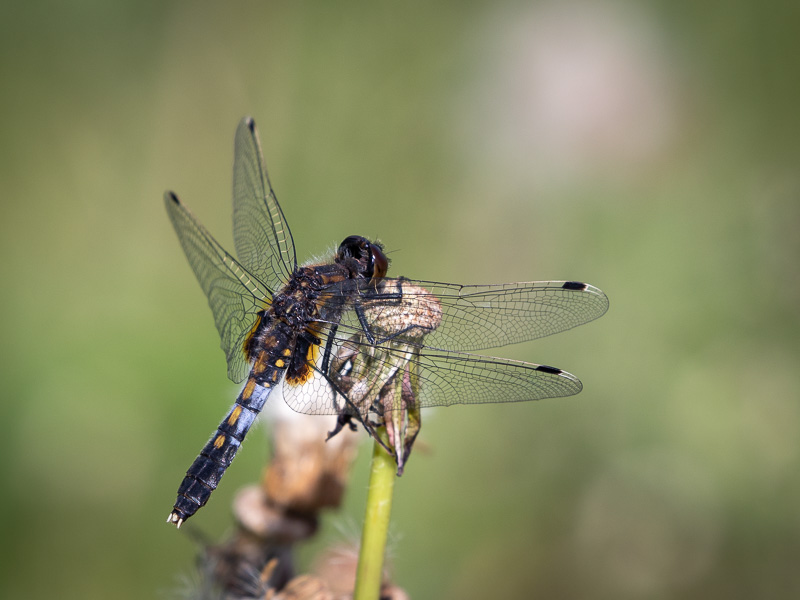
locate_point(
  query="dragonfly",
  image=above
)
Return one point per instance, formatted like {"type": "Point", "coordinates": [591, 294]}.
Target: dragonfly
{"type": "Point", "coordinates": [340, 337]}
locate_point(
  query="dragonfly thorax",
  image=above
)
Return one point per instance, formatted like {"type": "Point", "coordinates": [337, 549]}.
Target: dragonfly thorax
{"type": "Point", "coordinates": [296, 304]}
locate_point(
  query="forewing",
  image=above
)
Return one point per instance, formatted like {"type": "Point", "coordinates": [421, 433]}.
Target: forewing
{"type": "Point", "coordinates": [234, 294]}
{"type": "Point", "coordinates": [477, 317]}
{"type": "Point", "coordinates": [261, 235]}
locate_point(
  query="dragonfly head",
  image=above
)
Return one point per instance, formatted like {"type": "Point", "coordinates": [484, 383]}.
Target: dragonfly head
{"type": "Point", "coordinates": [371, 262]}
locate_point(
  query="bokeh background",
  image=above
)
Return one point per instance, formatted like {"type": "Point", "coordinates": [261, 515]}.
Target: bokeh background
{"type": "Point", "coordinates": [650, 148]}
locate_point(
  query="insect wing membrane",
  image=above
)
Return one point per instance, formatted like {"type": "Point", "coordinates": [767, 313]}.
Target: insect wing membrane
{"type": "Point", "coordinates": [234, 295]}
{"type": "Point", "coordinates": [477, 317]}
{"type": "Point", "coordinates": [313, 394]}
{"type": "Point", "coordinates": [447, 378]}
{"type": "Point", "coordinates": [261, 235]}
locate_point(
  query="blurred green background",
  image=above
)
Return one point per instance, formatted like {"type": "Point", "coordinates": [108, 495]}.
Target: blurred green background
{"type": "Point", "coordinates": [650, 148]}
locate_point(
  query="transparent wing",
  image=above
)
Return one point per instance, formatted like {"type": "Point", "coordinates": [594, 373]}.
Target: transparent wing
{"type": "Point", "coordinates": [261, 235]}
{"type": "Point", "coordinates": [444, 378]}
{"type": "Point", "coordinates": [234, 294]}
{"type": "Point", "coordinates": [457, 378]}
{"type": "Point", "coordinates": [476, 317]}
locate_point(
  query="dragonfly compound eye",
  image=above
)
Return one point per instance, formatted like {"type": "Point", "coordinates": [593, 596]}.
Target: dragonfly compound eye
{"type": "Point", "coordinates": [373, 261]}
{"type": "Point", "coordinates": [379, 263]}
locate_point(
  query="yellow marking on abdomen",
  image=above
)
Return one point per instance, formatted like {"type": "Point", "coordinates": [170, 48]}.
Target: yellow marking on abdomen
{"type": "Point", "coordinates": [249, 337]}
{"type": "Point", "coordinates": [279, 363]}
{"type": "Point", "coordinates": [287, 352]}
{"type": "Point", "coordinates": [237, 410]}
{"type": "Point", "coordinates": [313, 354]}
{"type": "Point", "coordinates": [306, 372]}
{"type": "Point", "coordinates": [248, 389]}
{"type": "Point", "coordinates": [219, 442]}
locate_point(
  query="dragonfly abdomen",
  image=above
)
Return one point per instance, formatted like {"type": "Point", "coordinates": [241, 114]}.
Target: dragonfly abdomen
{"type": "Point", "coordinates": [203, 477]}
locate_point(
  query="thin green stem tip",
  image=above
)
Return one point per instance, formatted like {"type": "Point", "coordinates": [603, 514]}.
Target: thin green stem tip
{"type": "Point", "coordinates": [376, 524]}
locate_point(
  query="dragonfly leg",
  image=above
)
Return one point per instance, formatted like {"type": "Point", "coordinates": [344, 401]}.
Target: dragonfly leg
{"type": "Point", "coordinates": [348, 411]}
{"type": "Point", "coordinates": [419, 329]}
{"type": "Point", "coordinates": [375, 340]}
{"type": "Point", "coordinates": [326, 357]}
{"type": "Point", "coordinates": [342, 420]}
{"type": "Point", "coordinates": [362, 319]}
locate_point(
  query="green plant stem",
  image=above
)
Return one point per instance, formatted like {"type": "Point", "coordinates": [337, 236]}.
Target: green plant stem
{"type": "Point", "coordinates": [376, 524]}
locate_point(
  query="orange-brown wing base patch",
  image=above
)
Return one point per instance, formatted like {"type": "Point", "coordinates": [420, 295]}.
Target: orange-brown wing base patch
{"type": "Point", "coordinates": [306, 354]}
